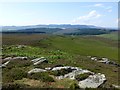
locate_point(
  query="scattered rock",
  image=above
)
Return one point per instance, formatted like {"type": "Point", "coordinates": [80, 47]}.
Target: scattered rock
{"type": "Point", "coordinates": [5, 64]}
{"type": "Point", "coordinates": [65, 67]}
{"type": "Point", "coordinates": [8, 58]}
{"type": "Point", "coordinates": [21, 46]}
{"type": "Point", "coordinates": [36, 70]}
{"type": "Point", "coordinates": [94, 58]}
{"type": "Point", "coordinates": [15, 58]}
{"type": "Point", "coordinates": [48, 68]}
{"type": "Point", "coordinates": [39, 60]}
{"type": "Point", "coordinates": [104, 60]}
{"type": "Point", "coordinates": [19, 58]}
{"type": "Point", "coordinates": [115, 86]}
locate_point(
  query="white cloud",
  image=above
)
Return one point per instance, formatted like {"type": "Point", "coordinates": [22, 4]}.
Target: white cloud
{"type": "Point", "coordinates": [95, 5]}
{"type": "Point", "coordinates": [109, 9]}
{"type": "Point", "coordinates": [99, 5]}
{"type": "Point", "coordinates": [87, 19]}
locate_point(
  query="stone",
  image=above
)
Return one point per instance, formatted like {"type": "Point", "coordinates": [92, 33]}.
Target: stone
{"type": "Point", "coordinates": [65, 67]}
{"type": "Point", "coordinates": [8, 58]}
{"type": "Point", "coordinates": [48, 68]}
{"type": "Point", "coordinates": [36, 70]}
{"type": "Point", "coordinates": [93, 58]}
{"type": "Point", "coordinates": [38, 59]}
{"type": "Point", "coordinates": [20, 58]}
{"type": "Point", "coordinates": [115, 86]}
{"type": "Point", "coordinates": [59, 68]}
{"type": "Point", "coordinates": [16, 58]}
{"type": "Point", "coordinates": [5, 64]}
{"type": "Point", "coordinates": [21, 46]}
{"type": "Point", "coordinates": [93, 81]}
{"type": "Point", "coordinates": [74, 73]}
{"type": "Point", "coordinates": [41, 61]}
{"type": "Point", "coordinates": [71, 75]}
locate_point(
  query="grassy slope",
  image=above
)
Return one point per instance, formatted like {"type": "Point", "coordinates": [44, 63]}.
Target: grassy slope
{"type": "Point", "coordinates": [84, 46]}
{"type": "Point", "coordinates": [113, 36]}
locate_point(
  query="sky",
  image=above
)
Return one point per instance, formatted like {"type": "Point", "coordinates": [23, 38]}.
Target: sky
{"type": "Point", "coordinates": [103, 14]}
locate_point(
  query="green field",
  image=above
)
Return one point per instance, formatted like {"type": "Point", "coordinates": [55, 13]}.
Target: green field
{"type": "Point", "coordinates": [60, 50]}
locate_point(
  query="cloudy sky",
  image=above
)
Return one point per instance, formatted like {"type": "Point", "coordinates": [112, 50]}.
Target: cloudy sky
{"type": "Point", "coordinates": [103, 14]}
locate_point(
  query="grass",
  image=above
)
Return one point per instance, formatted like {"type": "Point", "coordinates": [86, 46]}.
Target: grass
{"type": "Point", "coordinates": [82, 76]}
{"type": "Point", "coordinates": [40, 84]}
{"type": "Point", "coordinates": [41, 76]}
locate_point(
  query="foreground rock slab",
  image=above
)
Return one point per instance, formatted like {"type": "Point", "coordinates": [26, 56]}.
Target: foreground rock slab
{"type": "Point", "coordinates": [93, 81]}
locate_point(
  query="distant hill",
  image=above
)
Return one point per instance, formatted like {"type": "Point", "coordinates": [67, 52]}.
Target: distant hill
{"type": "Point", "coordinates": [63, 29]}
{"type": "Point", "coordinates": [65, 26]}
